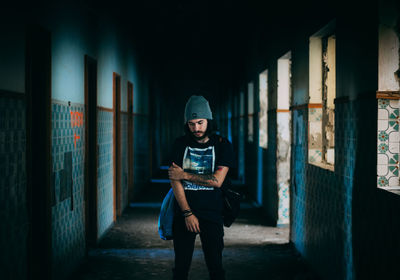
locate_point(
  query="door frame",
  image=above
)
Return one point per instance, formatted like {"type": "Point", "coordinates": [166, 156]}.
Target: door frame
{"type": "Point", "coordinates": [91, 156]}
{"type": "Point", "coordinates": [131, 132]}
{"type": "Point", "coordinates": [117, 144]}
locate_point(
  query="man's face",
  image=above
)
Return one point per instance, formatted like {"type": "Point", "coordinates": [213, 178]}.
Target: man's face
{"type": "Point", "coordinates": [198, 128]}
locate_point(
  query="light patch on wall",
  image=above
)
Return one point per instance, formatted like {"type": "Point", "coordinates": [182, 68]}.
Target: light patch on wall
{"type": "Point", "coordinates": [283, 83]}
{"type": "Point", "coordinates": [250, 111]}
{"type": "Point", "coordinates": [263, 114]}
{"type": "Point", "coordinates": [315, 66]}
{"type": "Point", "coordinates": [389, 55]}
{"type": "Point", "coordinates": [67, 65]}
{"type": "Point", "coordinates": [284, 118]}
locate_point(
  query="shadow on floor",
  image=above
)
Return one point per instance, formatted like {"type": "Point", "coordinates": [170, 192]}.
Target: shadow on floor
{"type": "Point", "coordinates": [132, 249]}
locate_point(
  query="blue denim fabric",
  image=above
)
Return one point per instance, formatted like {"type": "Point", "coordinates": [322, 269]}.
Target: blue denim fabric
{"type": "Point", "coordinates": [166, 218]}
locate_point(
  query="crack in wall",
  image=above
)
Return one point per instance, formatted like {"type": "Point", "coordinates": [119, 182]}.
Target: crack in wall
{"type": "Point", "coordinates": [325, 70]}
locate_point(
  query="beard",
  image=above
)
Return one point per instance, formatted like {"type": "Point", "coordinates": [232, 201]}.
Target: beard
{"type": "Point", "coordinates": [203, 135]}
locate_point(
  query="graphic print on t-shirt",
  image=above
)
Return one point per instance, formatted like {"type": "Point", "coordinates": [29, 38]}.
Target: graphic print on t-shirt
{"type": "Point", "coordinates": [198, 161]}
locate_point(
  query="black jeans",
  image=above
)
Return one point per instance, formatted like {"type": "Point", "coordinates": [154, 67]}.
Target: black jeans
{"type": "Point", "coordinates": [212, 242]}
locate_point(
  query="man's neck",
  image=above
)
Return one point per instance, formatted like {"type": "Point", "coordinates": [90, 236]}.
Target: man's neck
{"type": "Point", "coordinates": [202, 141]}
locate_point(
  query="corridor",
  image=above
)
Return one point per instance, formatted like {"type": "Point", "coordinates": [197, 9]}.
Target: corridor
{"type": "Point", "coordinates": [297, 104]}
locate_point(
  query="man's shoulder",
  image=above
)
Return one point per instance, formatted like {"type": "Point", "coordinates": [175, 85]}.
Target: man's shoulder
{"type": "Point", "coordinates": [221, 139]}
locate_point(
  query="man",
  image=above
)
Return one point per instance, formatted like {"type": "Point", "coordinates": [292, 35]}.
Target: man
{"type": "Point", "coordinates": [199, 165]}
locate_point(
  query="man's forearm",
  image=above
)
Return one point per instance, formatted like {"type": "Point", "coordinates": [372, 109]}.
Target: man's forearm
{"type": "Point", "coordinates": [202, 179]}
{"type": "Point", "coordinates": [179, 194]}
{"type": "Point", "coordinates": [216, 179]}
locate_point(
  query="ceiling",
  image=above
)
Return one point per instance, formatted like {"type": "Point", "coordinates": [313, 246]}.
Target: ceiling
{"type": "Point", "coordinates": [207, 39]}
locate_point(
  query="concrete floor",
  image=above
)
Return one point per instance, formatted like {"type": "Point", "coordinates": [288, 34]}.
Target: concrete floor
{"type": "Point", "coordinates": [132, 249]}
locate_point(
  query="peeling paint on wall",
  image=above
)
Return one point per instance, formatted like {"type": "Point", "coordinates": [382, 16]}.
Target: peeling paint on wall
{"type": "Point", "coordinates": [397, 30]}
{"type": "Point", "coordinates": [283, 152]}
{"type": "Point", "coordinates": [328, 96]}
{"type": "Point", "coordinates": [315, 135]}
{"type": "Point", "coordinates": [283, 165]}
{"type": "Point", "coordinates": [389, 56]}
{"type": "Point", "coordinates": [322, 115]}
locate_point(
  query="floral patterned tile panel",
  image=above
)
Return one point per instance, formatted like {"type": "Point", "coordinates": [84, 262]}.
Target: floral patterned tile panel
{"type": "Point", "coordinates": [388, 143]}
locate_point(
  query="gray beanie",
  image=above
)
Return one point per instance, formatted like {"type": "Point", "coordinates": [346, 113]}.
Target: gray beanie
{"type": "Point", "coordinates": [197, 107]}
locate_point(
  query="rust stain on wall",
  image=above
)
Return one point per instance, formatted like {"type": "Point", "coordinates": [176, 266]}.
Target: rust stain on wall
{"type": "Point", "coordinates": [76, 121]}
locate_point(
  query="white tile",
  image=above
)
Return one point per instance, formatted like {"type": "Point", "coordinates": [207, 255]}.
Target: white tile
{"type": "Point", "coordinates": [394, 136]}
{"type": "Point", "coordinates": [316, 128]}
{"type": "Point", "coordinates": [330, 156]}
{"type": "Point", "coordinates": [383, 159]}
{"type": "Point", "coordinates": [315, 115]}
{"type": "Point", "coordinates": [383, 125]}
{"type": "Point", "coordinates": [382, 170]}
{"type": "Point", "coordinates": [316, 154]}
{"type": "Point", "coordinates": [383, 114]}
{"type": "Point", "coordinates": [394, 147]}
{"type": "Point", "coordinates": [394, 103]}
{"type": "Point", "coordinates": [393, 181]}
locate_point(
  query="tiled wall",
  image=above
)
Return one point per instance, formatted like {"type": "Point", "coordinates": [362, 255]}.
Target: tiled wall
{"type": "Point", "coordinates": [105, 171]}
{"type": "Point", "coordinates": [68, 228]}
{"type": "Point", "coordinates": [299, 179]}
{"type": "Point", "coordinates": [345, 154]}
{"type": "Point", "coordinates": [388, 143]}
{"type": "Point", "coordinates": [321, 228]}
{"type": "Point", "coordinates": [68, 212]}
{"type": "Point", "coordinates": [13, 212]}
{"type": "Point", "coordinates": [341, 222]}
{"type": "Point", "coordinates": [375, 224]}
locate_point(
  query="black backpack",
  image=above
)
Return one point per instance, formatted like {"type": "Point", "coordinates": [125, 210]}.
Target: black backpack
{"type": "Point", "coordinates": [231, 208]}
{"type": "Point", "coordinates": [231, 201]}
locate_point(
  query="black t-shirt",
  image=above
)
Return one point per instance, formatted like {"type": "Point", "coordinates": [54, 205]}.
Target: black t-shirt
{"type": "Point", "coordinates": [202, 158]}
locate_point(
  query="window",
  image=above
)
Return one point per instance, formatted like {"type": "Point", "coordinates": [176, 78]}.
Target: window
{"type": "Point", "coordinates": [322, 92]}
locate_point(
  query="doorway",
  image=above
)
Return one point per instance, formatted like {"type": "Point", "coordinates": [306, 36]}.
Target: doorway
{"type": "Point", "coordinates": [38, 159]}
{"type": "Point", "coordinates": [91, 155]}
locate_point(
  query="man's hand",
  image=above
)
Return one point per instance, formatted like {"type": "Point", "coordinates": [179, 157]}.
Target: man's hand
{"type": "Point", "coordinates": [175, 172]}
{"type": "Point", "coordinates": [192, 224]}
